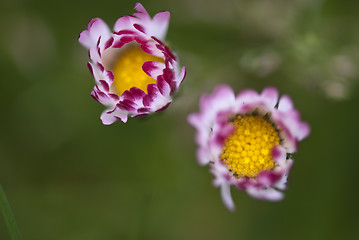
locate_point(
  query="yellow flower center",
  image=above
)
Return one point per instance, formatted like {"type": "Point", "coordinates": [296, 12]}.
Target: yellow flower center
{"type": "Point", "coordinates": [247, 151]}
{"type": "Point", "coordinates": [128, 71]}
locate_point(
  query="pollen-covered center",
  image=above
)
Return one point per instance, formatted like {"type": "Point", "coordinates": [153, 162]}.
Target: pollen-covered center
{"type": "Point", "coordinates": [128, 70]}
{"type": "Point", "coordinates": [247, 151]}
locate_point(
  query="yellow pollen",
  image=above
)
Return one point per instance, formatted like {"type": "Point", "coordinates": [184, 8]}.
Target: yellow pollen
{"type": "Point", "coordinates": [247, 151]}
{"type": "Point", "coordinates": [128, 70]}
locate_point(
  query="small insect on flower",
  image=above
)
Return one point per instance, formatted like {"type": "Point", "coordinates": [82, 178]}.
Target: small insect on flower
{"type": "Point", "coordinates": [248, 140]}
{"type": "Point", "coordinates": [135, 72]}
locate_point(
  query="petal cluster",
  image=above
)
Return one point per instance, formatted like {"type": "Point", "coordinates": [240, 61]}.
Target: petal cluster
{"type": "Point", "coordinates": [213, 127]}
{"type": "Point", "coordinates": [105, 46]}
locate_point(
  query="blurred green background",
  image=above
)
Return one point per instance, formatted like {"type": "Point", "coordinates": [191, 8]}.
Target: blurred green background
{"type": "Point", "coordinates": [68, 177]}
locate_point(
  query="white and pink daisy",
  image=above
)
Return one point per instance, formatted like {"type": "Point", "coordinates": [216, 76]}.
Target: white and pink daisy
{"type": "Point", "coordinates": [135, 72]}
{"type": "Point", "coordinates": [248, 140]}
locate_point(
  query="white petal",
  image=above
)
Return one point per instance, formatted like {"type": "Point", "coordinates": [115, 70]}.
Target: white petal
{"type": "Point", "coordinates": [226, 196]}
{"type": "Point", "coordinates": [268, 194]}
{"type": "Point", "coordinates": [96, 28]}
{"type": "Point", "coordinates": [285, 104]}
{"type": "Point", "coordinates": [159, 25]}
{"type": "Point", "coordinates": [270, 96]}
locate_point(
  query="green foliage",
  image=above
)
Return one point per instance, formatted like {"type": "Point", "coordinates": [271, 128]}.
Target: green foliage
{"type": "Point", "coordinates": [69, 177]}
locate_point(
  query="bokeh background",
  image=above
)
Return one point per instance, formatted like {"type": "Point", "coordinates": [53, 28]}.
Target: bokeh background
{"type": "Point", "coordinates": [68, 177]}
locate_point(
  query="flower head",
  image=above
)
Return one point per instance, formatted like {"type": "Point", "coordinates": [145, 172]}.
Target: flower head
{"type": "Point", "coordinates": [135, 72]}
{"type": "Point", "coordinates": [248, 140]}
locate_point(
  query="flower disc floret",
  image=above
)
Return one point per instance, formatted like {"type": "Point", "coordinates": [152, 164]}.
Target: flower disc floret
{"type": "Point", "coordinates": [248, 140]}
{"type": "Point", "coordinates": [247, 151]}
{"type": "Point", "coordinates": [135, 72]}
{"type": "Point", "coordinates": [128, 71]}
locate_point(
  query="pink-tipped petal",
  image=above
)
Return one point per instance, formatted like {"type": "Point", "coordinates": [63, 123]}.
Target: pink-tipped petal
{"type": "Point", "coordinates": [153, 69]}
{"type": "Point", "coordinates": [181, 76]}
{"type": "Point", "coordinates": [163, 86]}
{"type": "Point", "coordinates": [141, 12]}
{"type": "Point", "coordinates": [270, 96]}
{"type": "Point", "coordinates": [222, 98]}
{"type": "Point", "coordinates": [202, 156]}
{"type": "Point", "coordinates": [279, 154]}
{"type": "Point", "coordinates": [285, 104]}
{"type": "Point", "coordinates": [160, 20]}
{"type": "Point", "coordinates": [268, 194]}
{"type": "Point", "coordinates": [124, 24]}
{"type": "Point", "coordinates": [303, 130]}
{"type": "Point", "coordinates": [246, 96]}
{"type": "Point", "coordinates": [96, 28]}
{"type": "Point", "coordinates": [195, 120]}
{"type": "Point", "coordinates": [226, 196]}
{"type": "Point", "coordinates": [109, 117]}
{"type": "Point", "coordinates": [282, 183]}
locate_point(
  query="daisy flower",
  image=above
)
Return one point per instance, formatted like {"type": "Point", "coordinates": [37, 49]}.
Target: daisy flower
{"type": "Point", "coordinates": [248, 140]}
{"type": "Point", "coordinates": [135, 72]}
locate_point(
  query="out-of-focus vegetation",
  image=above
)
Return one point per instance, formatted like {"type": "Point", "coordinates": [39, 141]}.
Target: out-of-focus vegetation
{"type": "Point", "coordinates": [68, 177]}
